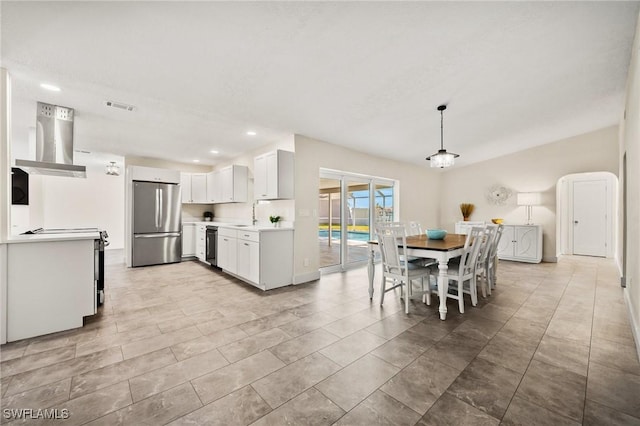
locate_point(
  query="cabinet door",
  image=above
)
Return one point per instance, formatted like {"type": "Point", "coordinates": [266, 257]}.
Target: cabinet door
{"type": "Point", "coordinates": [527, 242]}
{"type": "Point", "coordinates": [260, 177]}
{"type": "Point", "coordinates": [248, 260]}
{"type": "Point", "coordinates": [226, 184]}
{"type": "Point", "coordinates": [199, 188]}
{"type": "Point", "coordinates": [213, 187]}
{"type": "Point", "coordinates": [188, 240]}
{"type": "Point", "coordinates": [505, 245]}
{"type": "Point", "coordinates": [272, 175]}
{"type": "Point", "coordinates": [185, 187]}
{"type": "Point", "coordinates": [227, 256]}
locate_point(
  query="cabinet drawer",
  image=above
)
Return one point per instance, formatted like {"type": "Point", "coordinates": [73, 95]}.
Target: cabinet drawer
{"type": "Point", "coordinates": [249, 236]}
{"type": "Point", "coordinates": [227, 232]}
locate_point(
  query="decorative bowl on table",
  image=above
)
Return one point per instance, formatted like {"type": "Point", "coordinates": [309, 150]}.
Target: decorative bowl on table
{"type": "Point", "coordinates": [436, 234]}
{"type": "Point", "coordinates": [497, 221]}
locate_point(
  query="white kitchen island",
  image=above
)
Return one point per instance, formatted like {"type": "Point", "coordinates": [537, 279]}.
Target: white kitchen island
{"type": "Point", "coordinates": [50, 283]}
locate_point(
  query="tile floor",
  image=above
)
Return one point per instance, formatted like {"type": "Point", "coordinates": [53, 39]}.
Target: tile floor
{"type": "Point", "coordinates": [184, 345]}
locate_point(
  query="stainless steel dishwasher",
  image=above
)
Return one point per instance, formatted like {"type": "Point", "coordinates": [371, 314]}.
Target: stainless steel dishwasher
{"type": "Point", "coordinates": [211, 245]}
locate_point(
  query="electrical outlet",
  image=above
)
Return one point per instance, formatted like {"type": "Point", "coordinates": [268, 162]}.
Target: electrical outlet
{"type": "Point", "coordinates": [305, 262]}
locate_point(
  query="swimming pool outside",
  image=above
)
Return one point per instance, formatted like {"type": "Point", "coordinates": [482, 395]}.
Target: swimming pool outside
{"type": "Point", "coordinates": [358, 236]}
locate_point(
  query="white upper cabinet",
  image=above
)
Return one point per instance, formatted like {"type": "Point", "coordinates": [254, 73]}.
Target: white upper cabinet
{"type": "Point", "coordinates": [233, 184]}
{"type": "Point", "coordinates": [152, 174]}
{"type": "Point", "coordinates": [193, 188]}
{"type": "Point", "coordinates": [214, 194]}
{"type": "Point", "coordinates": [273, 176]}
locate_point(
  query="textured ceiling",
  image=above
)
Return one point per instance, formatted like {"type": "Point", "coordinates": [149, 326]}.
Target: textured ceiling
{"type": "Point", "coordinates": [368, 76]}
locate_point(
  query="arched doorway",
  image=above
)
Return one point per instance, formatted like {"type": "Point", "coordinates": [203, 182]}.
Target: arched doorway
{"type": "Point", "coordinates": [586, 219]}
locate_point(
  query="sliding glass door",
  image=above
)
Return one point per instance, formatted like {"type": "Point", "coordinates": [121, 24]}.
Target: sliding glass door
{"type": "Point", "coordinates": [348, 206]}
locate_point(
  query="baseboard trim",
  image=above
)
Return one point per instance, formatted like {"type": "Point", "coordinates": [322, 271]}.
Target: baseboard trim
{"type": "Point", "coordinates": [550, 259]}
{"type": "Point", "coordinates": [635, 327]}
{"type": "Point", "coordinates": [305, 278]}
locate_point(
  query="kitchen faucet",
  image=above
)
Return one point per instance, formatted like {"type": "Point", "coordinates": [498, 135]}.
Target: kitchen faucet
{"type": "Point", "coordinates": [253, 214]}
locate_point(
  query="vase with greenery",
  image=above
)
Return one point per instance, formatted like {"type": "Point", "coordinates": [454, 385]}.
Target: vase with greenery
{"type": "Point", "coordinates": [466, 209]}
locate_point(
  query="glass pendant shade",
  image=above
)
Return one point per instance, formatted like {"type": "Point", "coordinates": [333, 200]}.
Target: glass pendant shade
{"type": "Point", "coordinates": [113, 169]}
{"type": "Point", "coordinates": [442, 159]}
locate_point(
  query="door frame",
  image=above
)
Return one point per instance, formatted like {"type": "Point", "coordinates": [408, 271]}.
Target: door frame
{"type": "Point", "coordinates": [564, 215]}
{"type": "Point", "coordinates": [344, 178]}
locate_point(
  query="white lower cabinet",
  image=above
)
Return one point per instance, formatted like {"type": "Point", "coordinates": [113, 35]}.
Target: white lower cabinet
{"type": "Point", "coordinates": [522, 243]}
{"type": "Point", "coordinates": [189, 239]}
{"type": "Point", "coordinates": [227, 252]}
{"type": "Point", "coordinates": [201, 242]}
{"type": "Point", "coordinates": [263, 258]}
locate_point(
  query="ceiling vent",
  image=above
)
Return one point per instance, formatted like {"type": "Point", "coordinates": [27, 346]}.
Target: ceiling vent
{"type": "Point", "coordinates": [119, 105]}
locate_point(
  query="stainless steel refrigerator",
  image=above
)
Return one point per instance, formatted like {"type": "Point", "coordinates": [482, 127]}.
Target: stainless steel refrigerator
{"type": "Point", "coordinates": [157, 217]}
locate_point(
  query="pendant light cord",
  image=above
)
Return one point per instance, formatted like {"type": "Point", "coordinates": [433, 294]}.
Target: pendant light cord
{"type": "Point", "coordinates": [441, 129]}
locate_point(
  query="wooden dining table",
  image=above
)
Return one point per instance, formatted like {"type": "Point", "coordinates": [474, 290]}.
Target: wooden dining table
{"type": "Point", "coordinates": [420, 246]}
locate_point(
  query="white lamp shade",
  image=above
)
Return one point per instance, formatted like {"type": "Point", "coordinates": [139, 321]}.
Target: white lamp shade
{"type": "Point", "coordinates": [528, 198]}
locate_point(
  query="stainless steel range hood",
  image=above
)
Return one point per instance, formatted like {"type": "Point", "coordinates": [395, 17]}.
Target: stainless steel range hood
{"type": "Point", "coordinates": [54, 144]}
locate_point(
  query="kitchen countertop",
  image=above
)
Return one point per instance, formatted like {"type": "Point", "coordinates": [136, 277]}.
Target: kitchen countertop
{"type": "Point", "coordinates": [241, 227]}
{"type": "Point", "coordinates": [38, 238]}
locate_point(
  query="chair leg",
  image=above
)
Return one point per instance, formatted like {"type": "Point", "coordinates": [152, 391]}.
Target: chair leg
{"type": "Point", "coordinates": [483, 287]}
{"type": "Point", "coordinates": [473, 289]}
{"type": "Point", "coordinates": [427, 294]}
{"type": "Point", "coordinates": [382, 289]}
{"type": "Point", "coordinates": [406, 298]}
{"type": "Point", "coordinates": [460, 297]}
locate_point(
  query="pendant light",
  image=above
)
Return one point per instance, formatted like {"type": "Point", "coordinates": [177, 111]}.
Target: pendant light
{"type": "Point", "coordinates": [113, 169]}
{"type": "Point", "coordinates": [442, 158]}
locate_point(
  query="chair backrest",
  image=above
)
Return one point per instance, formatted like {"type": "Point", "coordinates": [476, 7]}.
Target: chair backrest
{"type": "Point", "coordinates": [496, 239]}
{"type": "Point", "coordinates": [414, 228]}
{"type": "Point", "coordinates": [487, 243]}
{"type": "Point", "coordinates": [472, 247]}
{"type": "Point", "coordinates": [393, 243]}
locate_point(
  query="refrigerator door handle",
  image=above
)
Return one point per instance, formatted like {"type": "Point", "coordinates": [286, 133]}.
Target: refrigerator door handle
{"type": "Point", "coordinates": [157, 208]}
{"type": "Point", "coordinates": [161, 218]}
{"type": "Point", "coordinates": [162, 235]}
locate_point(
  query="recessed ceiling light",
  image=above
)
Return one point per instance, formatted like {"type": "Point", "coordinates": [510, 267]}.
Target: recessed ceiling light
{"type": "Point", "coordinates": [251, 133]}
{"type": "Point", "coordinates": [50, 87]}
{"type": "Point", "coordinates": [196, 161]}
{"type": "Point", "coordinates": [213, 151]}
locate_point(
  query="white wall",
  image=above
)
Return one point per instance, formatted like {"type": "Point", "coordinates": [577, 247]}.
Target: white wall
{"type": "Point", "coordinates": [418, 192]}
{"type": "Point", "coordinates": [533, 170]}
{"type": "Point", "coordinates": [97, 201]}
{"type": "Point", "coordinates": [630, 144]}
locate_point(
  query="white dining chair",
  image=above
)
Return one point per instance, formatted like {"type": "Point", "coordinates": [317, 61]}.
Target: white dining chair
{"type": "Point", "coordinates": [462, 271]}
{"type": "Point", "coordinates": [414, 228]}
{"type": "Point", "coordinates": [392, 241]}
{"type": "Point", "coordinates": [492, 260]}
{"type": "Point", "coordinates": [481, 269]}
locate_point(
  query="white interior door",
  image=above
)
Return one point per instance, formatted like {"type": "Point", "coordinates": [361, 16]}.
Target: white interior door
{"type": "Point", "coordinates": [590, 218]}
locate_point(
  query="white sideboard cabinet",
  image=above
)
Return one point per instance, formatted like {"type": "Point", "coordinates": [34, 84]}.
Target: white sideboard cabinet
{"type": "Point", "coordinates": [522, 243]}
{"type": "Point", "coordinates": [463, 227]}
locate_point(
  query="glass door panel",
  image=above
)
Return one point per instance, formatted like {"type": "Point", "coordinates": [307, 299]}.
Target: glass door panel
{"type": "Point", "coordinates": [358, 214]}
{"type": "Point", "coordinates": [384, 202]}
{"type": "Point", "coordinates": [329, 222]}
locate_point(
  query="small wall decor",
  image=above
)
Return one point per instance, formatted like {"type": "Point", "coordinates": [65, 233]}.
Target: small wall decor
{"type": "Point", "coordinates": [498, 195]}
